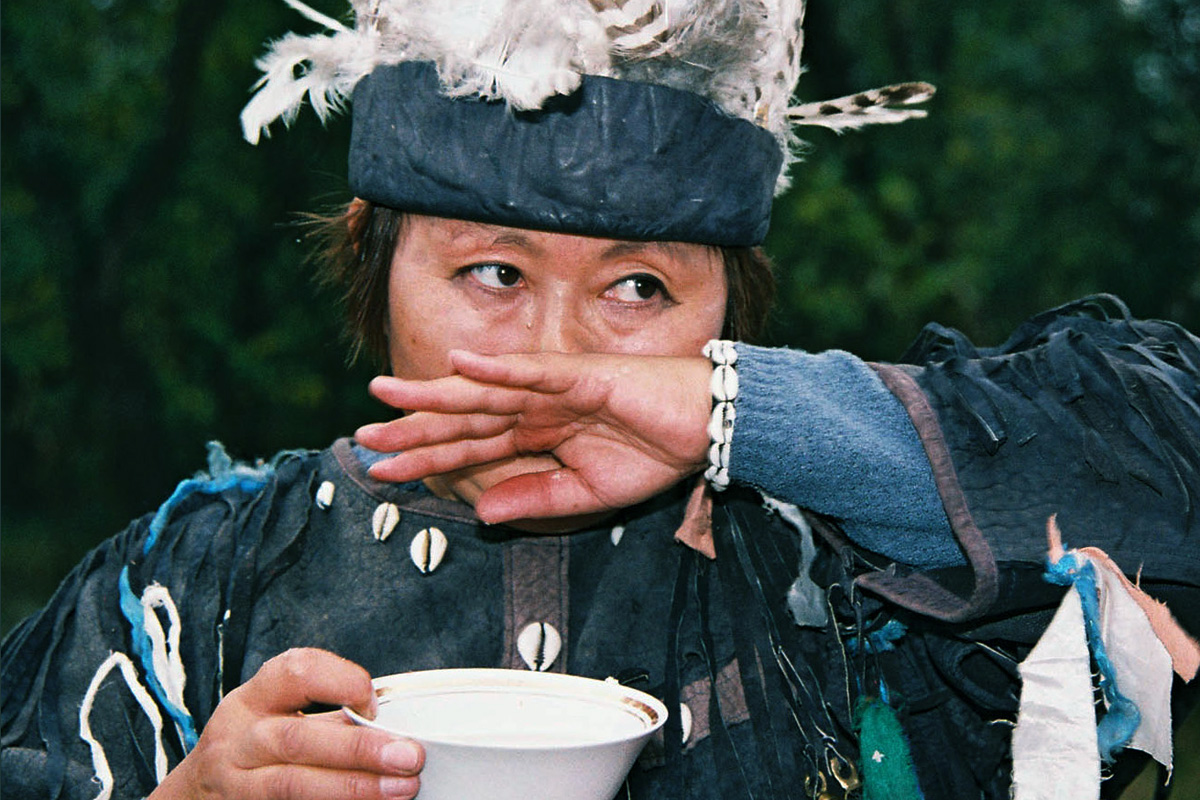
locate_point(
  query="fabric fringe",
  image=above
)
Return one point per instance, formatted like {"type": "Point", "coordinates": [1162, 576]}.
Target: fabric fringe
{"type": "Point", "coordinates": [223, 474]}
{"type": "Point", "coordinates": [159, 652]}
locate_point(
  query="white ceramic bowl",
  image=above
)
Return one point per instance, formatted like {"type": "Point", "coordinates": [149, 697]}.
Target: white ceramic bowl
{"type": "Point", "coordinates": [497, 734]}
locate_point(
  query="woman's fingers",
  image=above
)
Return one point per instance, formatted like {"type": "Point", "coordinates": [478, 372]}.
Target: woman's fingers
{"type": "Point", "coordinates": [191, 780]}
{"type": "Point", "coordinates": [539, 495]}
{"type": "Point", "coordinates": [452, 395]}
{"type": "Point", "coordinates": [258, 744]}
{"type": "Point", "coordinates": [438, 459]}
{"type": "Point", "coordinates": [331, 741]}
{"type": "Point", "coordinates": [497, 384]}
{"type": "Point", "coordinates": [292, 782]}
{"type": "Point", "coordinates": [302, 677]}
{"type": "Point", "coordinates": [623, 426]}
{"type": "Point", "coordinates": [549, 373]}
{"type": "Point", "coordinates": [423, 429]}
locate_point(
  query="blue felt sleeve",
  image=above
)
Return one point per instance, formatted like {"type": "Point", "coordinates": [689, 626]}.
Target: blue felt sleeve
{"type": "Point", "coordinates": [823, 432]}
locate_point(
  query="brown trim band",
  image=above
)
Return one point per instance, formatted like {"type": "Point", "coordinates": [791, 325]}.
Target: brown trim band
{"type": "Point", "coordinates": [536, 583]}
{"type": "Point", "coordinates": [731, 700]}
{"type": "Point", "coordinates": [918, 591]}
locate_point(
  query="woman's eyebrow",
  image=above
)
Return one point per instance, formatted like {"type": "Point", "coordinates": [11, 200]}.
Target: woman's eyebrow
{"type": "Point", "coordinates": [515, 239]}
{"type": "Point", "coordinates": [473, 234]}
{"type": "Point", "coordinates": [619, 249]}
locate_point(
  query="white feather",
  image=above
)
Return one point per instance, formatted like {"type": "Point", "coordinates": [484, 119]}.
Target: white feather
{"type": "Point", "coordinates": [322, 68]}
{"type": "Point", "coordinates": [841, 123]}
{"type": "Point", "coordinates": [744, 55]}
{"type": "Point", "coordinates": [784, 57]}
{"type": "Point", "coordinates": [540, 48]}
{"type": "Point", "coordinates": [888, 104]}
{"type": "Point", "coordinates": [634, 26]}
{"type": "Point", "coordinates": [316, 16]}
{"type": "Point", "coordinates": [779, 66]}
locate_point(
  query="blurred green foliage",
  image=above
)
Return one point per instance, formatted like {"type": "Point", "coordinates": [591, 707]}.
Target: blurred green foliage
{"type": "Point", "coordinates": [1059, 158]}
{"type": "Point", "coordinates": [154, 287]}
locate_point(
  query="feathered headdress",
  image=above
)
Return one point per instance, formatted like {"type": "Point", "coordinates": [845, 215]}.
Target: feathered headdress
{"type": "Point", "coordinates": [744, 56]}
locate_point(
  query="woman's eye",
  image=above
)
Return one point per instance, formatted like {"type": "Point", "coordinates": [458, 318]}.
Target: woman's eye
{"type": "Point", "coordinates": [637, 289]}
{"type": "Point", "coordinates": [496, 276]}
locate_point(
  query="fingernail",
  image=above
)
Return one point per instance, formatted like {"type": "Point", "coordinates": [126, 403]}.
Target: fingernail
{"type": "Point", "coordinates": [401, 756]}
{"type": "Point", "coordinates": [399, 787]}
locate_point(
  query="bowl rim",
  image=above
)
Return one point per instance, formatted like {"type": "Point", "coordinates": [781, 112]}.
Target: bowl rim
{"type": "Point", "coordinates": [645, 707]}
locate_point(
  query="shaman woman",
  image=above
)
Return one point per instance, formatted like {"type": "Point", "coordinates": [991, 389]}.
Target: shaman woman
{"type": "Point", "coordinates": [835, 567]}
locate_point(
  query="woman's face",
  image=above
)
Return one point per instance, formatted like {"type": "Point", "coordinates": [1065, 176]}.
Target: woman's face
{"type": "Point", "coordinates": [469, 286]}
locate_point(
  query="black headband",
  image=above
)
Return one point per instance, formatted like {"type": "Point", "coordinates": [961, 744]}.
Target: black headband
{"type": "Point", "coordinates": [617, 159]}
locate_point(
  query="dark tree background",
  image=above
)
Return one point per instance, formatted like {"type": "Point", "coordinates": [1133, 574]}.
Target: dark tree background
{"type": "Point", "coordinates": [154, 288]}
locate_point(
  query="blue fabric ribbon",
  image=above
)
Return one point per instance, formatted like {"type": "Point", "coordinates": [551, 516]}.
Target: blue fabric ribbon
{"type": "Point", "coordinates": [131, 607]}
{"type": "Point", "coordinates": [1118, 725]}
{"type": "Point", "coordinates": [878, 641]}
{"type": "Point", "coordinates": [223, 475]}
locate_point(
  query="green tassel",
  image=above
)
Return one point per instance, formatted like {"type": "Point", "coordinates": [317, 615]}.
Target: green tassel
{"type": "Point", "coordinates": [885, 763]}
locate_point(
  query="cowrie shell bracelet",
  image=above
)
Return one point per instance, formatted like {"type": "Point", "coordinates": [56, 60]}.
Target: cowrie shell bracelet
{"type": "Point", "coordinates": [724, 388]}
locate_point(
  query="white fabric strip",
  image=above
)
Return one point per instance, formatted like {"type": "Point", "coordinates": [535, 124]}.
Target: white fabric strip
{"type": "Point", "coordinates": [1055, 755]}
{"type": "Point", "coordinates": [99, 759]}
{"type": "Point", "coordinates": [168, 664]}
{"type": "Point", "coordinates": [1141, 662]}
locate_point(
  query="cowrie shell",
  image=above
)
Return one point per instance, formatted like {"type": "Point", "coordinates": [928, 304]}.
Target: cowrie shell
{"type": "Point", "coordinates": [539, 645]}
{"type": "Point", "coordinates": [718, 456]}
{"type": "Point", "coordinates": [685, 721]}
{"type": "Point", "coordinates": [719, 478]}
{"type": "Point", "coordinates": [384, 520]}
{"type": "Point", "coordinates": [325, 495]}
{"type": "Point", "coordinates": [720, 351]}
{"type": "Point", "coordinates": [720, 424]}
{"type": "Point", "coordinates": [617, 532]}
{"type": "Point", "coordinates": [724, 383]}
{"type": "Point", "coordinates": [427, 549]}
{"type": "Point", "coordinates": [729, 352]}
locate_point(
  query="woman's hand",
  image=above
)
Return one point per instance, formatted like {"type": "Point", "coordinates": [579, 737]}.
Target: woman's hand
{"type": "Point", "coordinates": [258, 744]}
{"type": "Point", "coordinates": [624, 428]}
